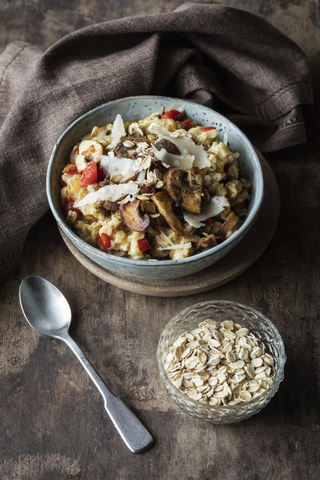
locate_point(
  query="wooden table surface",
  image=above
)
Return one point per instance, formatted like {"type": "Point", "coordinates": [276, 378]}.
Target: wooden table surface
{"type": "Point", "coordinates": [53, 424]}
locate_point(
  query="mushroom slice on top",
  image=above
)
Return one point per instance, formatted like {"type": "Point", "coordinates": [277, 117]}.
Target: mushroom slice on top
{"type": "Point", "coordinates": [164, 206]}
{"type": "Point", "coordinates": [185, 188]}
{"type": "Point", "coordinates": [168, 146]}
{"type": "Point", "coordinates": [132, 217]}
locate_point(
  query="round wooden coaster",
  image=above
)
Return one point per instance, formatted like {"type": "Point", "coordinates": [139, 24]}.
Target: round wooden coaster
{"type": "Point", "coordinates": [233, 264]}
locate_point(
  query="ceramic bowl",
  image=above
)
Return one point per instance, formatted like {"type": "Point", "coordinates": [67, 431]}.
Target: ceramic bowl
{"type": "Point", "coordinates": [139, 107]}
{"type": "Point", "coordinates": [220, 311]}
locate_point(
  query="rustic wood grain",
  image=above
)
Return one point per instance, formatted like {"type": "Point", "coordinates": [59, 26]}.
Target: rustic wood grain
{"type": "Point", "coordinates": [53, 424]}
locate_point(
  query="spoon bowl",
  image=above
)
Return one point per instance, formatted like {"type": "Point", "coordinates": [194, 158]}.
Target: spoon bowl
{"type": "Point", "coordinates": [44, 307]}
{"type": "Point", "coordinates": [48, 312]}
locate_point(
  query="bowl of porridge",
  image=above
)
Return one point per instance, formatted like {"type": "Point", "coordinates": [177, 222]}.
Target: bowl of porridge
{"type": "Point", "coordinates": [154, 187]}
{"type": "Point", "coordinates": [221, 361]}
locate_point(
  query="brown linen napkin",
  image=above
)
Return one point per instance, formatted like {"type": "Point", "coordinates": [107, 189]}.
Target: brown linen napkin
{"type": "Point", "coordinates": [228, 59]}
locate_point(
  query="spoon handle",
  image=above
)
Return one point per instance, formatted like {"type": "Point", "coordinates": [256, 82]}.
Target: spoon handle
{"type": "Point", "coordinates": [134, 434]}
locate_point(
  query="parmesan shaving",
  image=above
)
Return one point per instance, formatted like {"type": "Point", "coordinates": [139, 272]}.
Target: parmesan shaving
{"type": "Point", "coordinates": [184, 162]}
{"type": "Point", "coordinates": [126, 167]}
{"type": "Point", "coordinates": [110, 193]}
{"type": "Point", "coordinates": [217, 204]}
{"type": "Point", "coordinates": [185, 145]}
{"type": "Point", "coordinates": [117, 131]}
{"type": "Point", "coordinates": [178, 105]}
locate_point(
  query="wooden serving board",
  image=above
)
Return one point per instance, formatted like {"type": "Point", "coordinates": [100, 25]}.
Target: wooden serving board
{"type": "Point", "coordinates": [233, 264]}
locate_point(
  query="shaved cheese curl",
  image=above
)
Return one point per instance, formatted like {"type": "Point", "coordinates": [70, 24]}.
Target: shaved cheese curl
{"type": "Point", "coordinates": [117, 131]}
{"type": "Point", "coordinates": [213, 208]}
{"type": "Point", "coordinates": [185, 145]}
{"type": "Point", "coordinates": [110, 193]}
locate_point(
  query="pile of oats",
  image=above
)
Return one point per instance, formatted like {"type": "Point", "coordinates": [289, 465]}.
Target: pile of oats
{"type": "Point", "coordinates": [220, 364]}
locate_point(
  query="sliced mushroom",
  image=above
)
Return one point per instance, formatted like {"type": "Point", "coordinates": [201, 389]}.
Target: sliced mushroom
{"type": "Point", "coordinates": [207, 242]}
{"type": "Point", "coordinates": [229, 223]}
{"type": "Point", "coordinates": [131, 216]}
{"type": "Point", "coordinates": [164, 206]}
{"type": "Point", "coordinates": [91, 148]}
{"type": "Point", "coordinates": [168, 146]}
{"type": "Point", "coordinates": [185, 188]}
{"type": "Point", "coordinates": [148, 206]}
{"type": "Point", "coordinates": [81, 163]}
{"type": "Point", "coordinates": [88, 150]}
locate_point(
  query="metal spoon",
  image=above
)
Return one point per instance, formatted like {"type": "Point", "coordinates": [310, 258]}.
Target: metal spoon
{"type": "Point", "coordinates": [48, 312]}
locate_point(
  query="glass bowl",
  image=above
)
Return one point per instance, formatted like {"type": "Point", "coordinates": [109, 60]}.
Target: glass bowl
{"type": "Point", "coordinates": [221, 311]}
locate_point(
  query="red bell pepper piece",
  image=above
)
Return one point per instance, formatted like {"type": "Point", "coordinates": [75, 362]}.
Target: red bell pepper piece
{"type": "Point", "coordinates": [105, 241]}
{"type": "Point", "coordinates": [89, 175]}
{"type": "Point", "coordinates": [143, 244]}
{"type": "Point", "coordinates": [100, 174]}
{"type": "Point", "coordinates": [171, 114]}
{"type": "Point", "coordinates": [206, 129]}
{"type": "Point", "coordinates": [187, 123]}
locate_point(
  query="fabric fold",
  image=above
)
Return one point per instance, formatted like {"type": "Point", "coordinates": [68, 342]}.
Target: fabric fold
{"type": "Point", "coordinates": [225, 58]}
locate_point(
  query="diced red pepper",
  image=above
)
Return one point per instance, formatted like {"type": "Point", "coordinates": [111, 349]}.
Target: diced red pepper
{"type": "Point", "coordinates": [187, 123]}
{"type": "Point", "coordinates": [143, 244]}
{"type": "Point", "coordinates": [105, 241]}
{"type": "Point", "coordinates": [68, 202]}
{"type": "Point", "coordinates": [171, 114]}
{"type": "Point", "coordinates": [209, 221]}
{"type": "Point", "coordinates": [206, 129]}
{"type": "Point", "coordinates": [90, 175]}
{"type": "Point", "coordinates": [71, 169]}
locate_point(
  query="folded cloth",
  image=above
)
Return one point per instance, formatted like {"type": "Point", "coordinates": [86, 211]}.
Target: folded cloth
{"type": "Point", "coordinates": [228, 59]}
